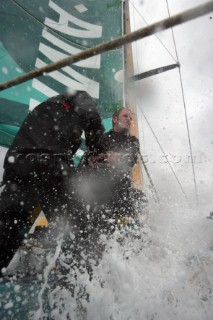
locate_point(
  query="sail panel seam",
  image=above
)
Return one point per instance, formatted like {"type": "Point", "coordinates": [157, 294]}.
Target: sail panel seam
{"type": "Point", "coordinates": [185, 111]}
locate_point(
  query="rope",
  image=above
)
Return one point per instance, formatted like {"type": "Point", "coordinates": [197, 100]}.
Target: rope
{"type": "Point", "coordinates": [185, 111]}
{"type": "Point", "coordinates": [137, 66]}
{"type": "Point", "coordinates": [113, 44]}
{"type": "Point", "coordinates": [11, 14]}
{"type": "Point", "coordinates": [178, 181]}
{"type": "Point", "coordinates": [3, 56]}
{"type": "Point", "coordinates": [153, 189]}
{"type": "Point", "coordinates": [146, 22]}
{"type": "Point", "coordinates": [47, 27]}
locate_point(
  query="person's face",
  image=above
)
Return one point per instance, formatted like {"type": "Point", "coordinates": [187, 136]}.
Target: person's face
{"type": "Point", "coordinates": [123, 121]}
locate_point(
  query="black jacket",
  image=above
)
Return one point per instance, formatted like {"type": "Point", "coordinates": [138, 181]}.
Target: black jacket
{"type": "Point", "coordinates": [52, 131]}
{"type": "Point", "coordinates": [127, 145]}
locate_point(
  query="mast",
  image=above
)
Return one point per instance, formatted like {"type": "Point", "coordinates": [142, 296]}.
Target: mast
{"type": "Point", "coordinates": [129, 98]}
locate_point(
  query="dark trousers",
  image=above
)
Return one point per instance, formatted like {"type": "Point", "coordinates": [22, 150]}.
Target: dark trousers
{"type": "Point", "coordinates": [17, 201]}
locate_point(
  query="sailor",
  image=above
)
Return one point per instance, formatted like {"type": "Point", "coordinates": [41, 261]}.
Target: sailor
{"type": "Point", "coordinates": [122, 151]}
{"type": "Point", "coordinates": [40, 160]}
{"type": "Point", "coordinates": [119, 153]}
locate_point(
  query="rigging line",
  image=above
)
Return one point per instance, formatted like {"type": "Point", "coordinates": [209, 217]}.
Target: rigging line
{"type": "Point", "coordinates": [51, 29]}
{"type": "Point", "coordinates": [47, 27]}
{"type": "Point", "coordinates": [178, 181]}
{"type": "Point", "coordinates": [137, 63]}
{"type": "Point", "coordinates": [153, 189]}
{"type": "Point", "coordinates": [12, 14]}
{"type": "Point", "coordinates": [4, 55]}
{"type": "Point", "coordinates": [185, 111]}
{"type": "Point", "coordinates": [136, 44]}
{"type": "Point", "coordinates": [146, 22]}
{"type": "Point", "coordinates": [164, 24]}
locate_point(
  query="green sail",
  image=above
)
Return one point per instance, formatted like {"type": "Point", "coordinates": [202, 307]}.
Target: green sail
{"type": "Point", "coordinates": [36, 33]}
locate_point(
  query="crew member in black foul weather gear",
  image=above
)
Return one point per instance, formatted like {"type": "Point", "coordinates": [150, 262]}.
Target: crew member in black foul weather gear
{"type": "Point", "coordinates": [122, 151]}
{"type": "Point", "coordinates": [39, 162]}
{"type": "Point", "coordinates": [113, 166]}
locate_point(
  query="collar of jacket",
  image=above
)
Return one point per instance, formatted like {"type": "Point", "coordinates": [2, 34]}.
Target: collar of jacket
{"type": "Point", "coordinates": [119, 133]}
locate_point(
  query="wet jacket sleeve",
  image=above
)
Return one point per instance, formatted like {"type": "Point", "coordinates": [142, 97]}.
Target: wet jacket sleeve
{"type": "Point", "coordinates": [135, 151]}
{"type": "Point", "coordinates": [90, 118]}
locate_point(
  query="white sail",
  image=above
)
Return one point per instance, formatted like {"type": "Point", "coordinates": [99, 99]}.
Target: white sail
{"type": "Point", "coordinates": [161, 99]}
